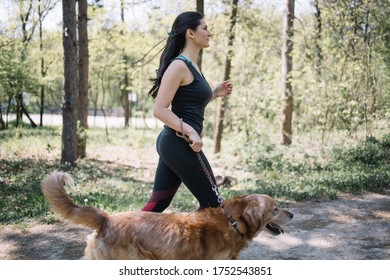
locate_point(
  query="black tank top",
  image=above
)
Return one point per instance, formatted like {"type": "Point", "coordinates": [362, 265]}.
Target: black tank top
{"type": "Point", "coordinates": [190, 100]}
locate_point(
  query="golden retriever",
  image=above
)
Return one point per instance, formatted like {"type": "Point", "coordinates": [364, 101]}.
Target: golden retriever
{"type": "Point", "coordinates": [212, 233]}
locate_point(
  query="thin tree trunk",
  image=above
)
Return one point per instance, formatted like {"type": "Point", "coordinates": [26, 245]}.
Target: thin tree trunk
{"type": "Point", "coordinates": [19, 113]}
{"type": "Point", "coordinates": [70, 87]}
{"type": "Point", "coordinates": [218, 131]}
{"type": "Point", "coordinates": [126, 103]}
{"type": "Point", "coordinates": [83, 78]}
{"type": "Point", "coordinates": [24, 110]}
{"type": "Point", "coordinates": [287, 93]}
{"type": "Point", "coordinates": [44, 7]}
{"type": "Point", "coordinates": [2, 123]}
{"type": "Point", "coordinates": [103, 101]}
{"type": "Point", "coordinates": [43, 72]}
{"type": "Point", "coordinates": [27, 36]}
{"type": "Point", "coordinates": [318, 49]}
{"type": "Point", "coordinates": [7, 110]}
{"type": "Point", "coordinates": [42, 104]}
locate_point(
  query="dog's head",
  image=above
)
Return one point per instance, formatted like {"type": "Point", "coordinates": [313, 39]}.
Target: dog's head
{"type": "Point", "coordinates": [259, 211]}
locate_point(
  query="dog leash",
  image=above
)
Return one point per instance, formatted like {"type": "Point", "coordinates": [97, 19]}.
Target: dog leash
{"type": "Point", "coordinates": [189, 141]}
{"type": "Point", "coordinates": [214, 187]}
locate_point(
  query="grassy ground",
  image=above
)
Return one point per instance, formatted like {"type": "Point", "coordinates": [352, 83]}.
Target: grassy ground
{"type": "Point", "coordinates": [117, 174]}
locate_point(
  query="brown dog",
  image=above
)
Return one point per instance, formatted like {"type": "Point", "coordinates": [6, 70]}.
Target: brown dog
{"type": "Point", "coordinates": [213, 233]}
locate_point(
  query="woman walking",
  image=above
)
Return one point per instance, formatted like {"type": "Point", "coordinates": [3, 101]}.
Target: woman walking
{"type": "Point", "coordinates": [181, 94]}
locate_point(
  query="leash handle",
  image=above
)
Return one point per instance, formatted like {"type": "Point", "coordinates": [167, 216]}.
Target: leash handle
{"type": "Point", "coordinates": [181, 133]}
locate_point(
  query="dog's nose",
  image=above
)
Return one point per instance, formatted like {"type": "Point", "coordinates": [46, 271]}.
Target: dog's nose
{"type": "Point", "coordinates": [291, 215]}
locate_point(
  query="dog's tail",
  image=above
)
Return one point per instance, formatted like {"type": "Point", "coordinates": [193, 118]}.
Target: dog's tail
{"type": "Point", "coordinates": [54, 191]}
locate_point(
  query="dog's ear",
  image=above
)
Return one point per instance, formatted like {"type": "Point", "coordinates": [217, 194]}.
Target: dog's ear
{"type": "Point", "coordinates": [237, 205]}
{"type": "Point", "coordinates": [252, 214]}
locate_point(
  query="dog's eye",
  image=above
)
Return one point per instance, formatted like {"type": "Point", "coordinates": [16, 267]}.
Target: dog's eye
{"type": "Point", "coordinates": [276, 209]}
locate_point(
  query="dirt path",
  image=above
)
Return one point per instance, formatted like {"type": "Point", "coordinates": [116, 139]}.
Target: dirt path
{"type": "Point", "coordinates": [351, 227]}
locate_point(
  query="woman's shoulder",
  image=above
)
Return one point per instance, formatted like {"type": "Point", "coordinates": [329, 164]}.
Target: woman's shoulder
{"type": "Point", "coordinates": [178, 62]}
{"type": "Point", "coordinates": [177, 65]}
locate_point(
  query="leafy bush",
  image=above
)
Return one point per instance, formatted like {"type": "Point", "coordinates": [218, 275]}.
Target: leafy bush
{"type": "Point", "coordinates": [20, 194]}
{"type": "Point", "coordinates": [291, 174]}
{"type": "Point", "coordinates": [372, 152]}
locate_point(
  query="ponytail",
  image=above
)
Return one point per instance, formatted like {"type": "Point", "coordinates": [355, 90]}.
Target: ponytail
{"type": "Point", "coordinates": [175, 44]}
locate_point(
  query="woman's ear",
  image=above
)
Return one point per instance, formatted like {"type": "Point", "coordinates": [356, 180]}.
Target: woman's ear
{"type": "Point", "coordinates": [190, 33]}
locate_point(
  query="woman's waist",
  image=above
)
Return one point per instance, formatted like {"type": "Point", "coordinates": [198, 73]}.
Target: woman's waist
{"type": "Point", "coordinates": [171, 130]}
{"type": "Point", "coordinates": [193, 120]}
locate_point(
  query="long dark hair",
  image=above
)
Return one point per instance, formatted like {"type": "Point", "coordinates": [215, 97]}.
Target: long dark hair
{"type": "Point", "coordinates": [175, 44]}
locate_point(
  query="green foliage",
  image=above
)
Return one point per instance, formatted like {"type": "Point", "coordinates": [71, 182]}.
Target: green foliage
{"type": "Point", "coordinates": [340, 73]}
{"type": "Point", "coordinates": [20, 189]}
{"type": "Point", "coordinates": [14, 75]}
{"type": "Point", "coordinates": [293, 173]}
{"type": "Point", "coordinates": [52, 58]}
{"type": "Point", "coordinates": [373, 152]}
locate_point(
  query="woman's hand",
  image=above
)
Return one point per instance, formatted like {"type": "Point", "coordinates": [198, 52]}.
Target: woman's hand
{"type": "Point", "coordinates": [197, 143]}
{"type": "Point", "coordinates": [223, 89]}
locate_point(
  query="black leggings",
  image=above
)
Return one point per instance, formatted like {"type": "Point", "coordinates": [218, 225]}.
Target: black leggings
{"type": "Point", "coordinates": [179, 163]}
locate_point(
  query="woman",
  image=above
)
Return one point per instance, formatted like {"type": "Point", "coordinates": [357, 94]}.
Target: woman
{"type": "Point", "coordinates": [181, 94]}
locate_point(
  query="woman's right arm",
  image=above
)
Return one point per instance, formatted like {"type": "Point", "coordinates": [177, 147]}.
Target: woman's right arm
{"type": "Point", "coordinates": [176, 75]}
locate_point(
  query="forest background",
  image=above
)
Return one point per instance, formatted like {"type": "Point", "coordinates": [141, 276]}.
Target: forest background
{"type": "Point", "coordinates": [339, 80]}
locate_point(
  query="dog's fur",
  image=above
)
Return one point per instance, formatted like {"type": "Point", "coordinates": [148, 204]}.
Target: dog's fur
{"type": "Point", "coordinates": [206, 234]}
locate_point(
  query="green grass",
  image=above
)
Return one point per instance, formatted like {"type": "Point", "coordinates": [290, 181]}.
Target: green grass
{"type": "Point", "coordinates": [117, 175]}
{"type": "Point", "coordinates": [25, 160]}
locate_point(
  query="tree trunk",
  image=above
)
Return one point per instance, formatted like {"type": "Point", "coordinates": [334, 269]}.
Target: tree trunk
{"type": "Point", "coordinates": [200, 9]}
{"type": "Point", "coordinates": [126, 103]}
{"type": "Point", "coordinates": [43, 9]}
{"type": "Point", "coordinates": [43, 72]}
{"type": "Point", "coordinates": [318, 49]}
{"type": "Point", "coordinates": [218, 131]}
{"type": "Point", "coordinates": [24, 110]}
{"type": "Point", "coordinates": [27, 36]}
{"type": "Point", "coordinates": [18, 104]}
{"type": "Point", "coordinates": [83, 79]}
{"type": "Point", "coordinates": [42, 104]}
{"type": "Point", "coordinates": [70, 87]}
{"type": "Point", "coordinates": [287, 93]}
{"type": "Point", "coordinates": [2, 123]}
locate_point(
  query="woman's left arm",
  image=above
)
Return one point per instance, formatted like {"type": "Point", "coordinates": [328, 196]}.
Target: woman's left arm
{"type": "Point", "coordinates": [223, 89]}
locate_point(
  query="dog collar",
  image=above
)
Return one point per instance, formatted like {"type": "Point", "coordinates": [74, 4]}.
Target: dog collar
{"type": "Point", "coordinates": [231, 220]}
